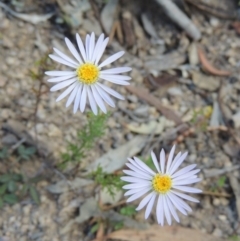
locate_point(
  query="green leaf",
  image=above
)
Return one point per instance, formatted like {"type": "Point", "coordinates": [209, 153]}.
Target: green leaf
{"type": "Point", "coordinates": [128, 211]}
{"type": "Point", "coordinates": [34, 194]}
{"type": "Point", "coordinates": [221, 181]}
{"type": "Point", "coordinates": [25, 153]}
{"type": "Point", "coordinates": [3, 153]}
{"type": "Point", "coordinates": [5, 178]}
{"type": "Point", "coordinates": [16, 177]}
{"type": "Point", "coordinates": [1, 203]}
{"type": "Point", "coordinates": [10, 198]}
{"type": "Point", "coordinates": [86, 137]}
{"type": "Point", "coordinates": [30, 151]}
{"type": "Point", "coordinates": [36, 179]}
{"type": "Point", "coordinates": [24, 190]}
{"type": "Point", "coordinates": [3, 189]}
{"type": "Point", "coordinates": [118, 225]}
{"type": "Point", "coordinates": [12, 186]}
{"type": "Point", "coordinates": [94, 228]}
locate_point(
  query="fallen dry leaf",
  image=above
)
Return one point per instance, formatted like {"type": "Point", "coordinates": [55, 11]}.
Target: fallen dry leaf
{"type": "Point", "coordinates": [205, 82]}
{"type": "Point", "coordinates": [145, 95]}
{"type": "Point", "coordinates": [165, 61]}
{"type": "Point", "coordinates": [148, 128]}
{"type": "Point", "coordinates": [115, 159]}
{"type": "Point", "coordinates": [209, 67]}
{"type": "Point", "coordinates": [156, 233]}
{"type": "Point", "coordinates": [164, 80]}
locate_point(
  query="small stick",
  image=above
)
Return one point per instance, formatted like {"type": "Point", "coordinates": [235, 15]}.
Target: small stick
{"type": "Point", "coordinates": [217, 194]}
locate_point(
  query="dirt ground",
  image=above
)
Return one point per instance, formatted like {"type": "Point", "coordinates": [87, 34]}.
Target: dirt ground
{"type": "Point", "coordinates": [188, 89]}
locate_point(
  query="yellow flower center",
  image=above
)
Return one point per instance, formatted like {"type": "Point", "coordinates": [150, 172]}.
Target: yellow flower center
{"type": "Point", "coordinates": [88, 73]}
{"type": "Point", "coordinates": [162, 183]}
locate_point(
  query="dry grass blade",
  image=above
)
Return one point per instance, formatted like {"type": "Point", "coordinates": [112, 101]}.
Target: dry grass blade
{"type": "Point", "coordinates": [145, 95]}
{"type": "Point", "coordinates": [209, 67]}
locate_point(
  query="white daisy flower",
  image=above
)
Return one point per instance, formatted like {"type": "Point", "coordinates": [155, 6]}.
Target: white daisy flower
{"type": "Point", "coordinates": [162, 186]}
{"type": "Point", "coordinates": [83, 81]}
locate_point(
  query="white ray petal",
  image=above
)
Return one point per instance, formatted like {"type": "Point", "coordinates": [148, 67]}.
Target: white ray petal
{"type": "Point", "coordinates": [144, 166]}
{"type": "Point", "coordinates": [138, 168]}
{"type": "Point", "coordinates": [81, 47]}
{"type": "Point", "coordinates": [174, 200]}
{"type": "Point", "coordinates": [97, 47]}
{"type": "Point", "coordinates": [91, 47]}
{"type": "Point", "coordinates": [73, 50]}
{"type": "Point", "coordinates": [117, 70]}
{"type": "Point", "coordinates": [140, 171]}
{"type": "Point", "coordinates": [131, 179]}
{"type": "Point", "coordinates": [62, 84]}
{"type": "Point", "coordinates": [137, 185]}
{"type": "Point", "coordinates": [137, 174]}
{"type": "Point", "coordinates": [185, 175]}
{"type": "Point", "coordinates": [83, 99]}
{"type": "Point", "coordinates": [110, 77]}
{"type": "Point", "coordinates": [150, 205]}
{"type": "Point", "coordinates": [65, 57]}
{"type": "Point", "coordinates": [98, 99]}
{"type": "Point", "coordinates": [185, 196]}
{"type": "Point", "coordinates": [87, 43]}
{"type": "Point", "coordinates": [61, 78]}
{"type": "Point", "coordinates": [67, 91]}
{"type": "Point", "coordinates": [105, 96]}
{"type": "Point", "coordinates": [92, 101]}
{"type": "Point", "coordinates": [135, 190]}
{"type": "Point", "coordinates": [181, 203]}
{"type": "Point", "coordinates": [178, 162]}
{"type": "Point", "coordinates": [72, 95]}
{"type": "Point", "coordinates": [186, 181]}
{"type": "Point", "coordinates": [170, 158]}
{"type": "Point", "coordinates": [57, 73]}
{"type": "Point", "coordinates": [111, 59]}
{"type": "Point", "coordinates": [101, 50]}
{"type": "Point", "coordinates": [188, 189]}
{"type": "Point", "coordinates": [116, 81]}
{"type": "Point", "coordinates": [172, 209]}
{"type": "Point", "coordinates": [137, 195]}
{"type": "Point", "coordinates": [162, 160]}
{"type": "Point", "coordinates": [155, 161]}
{"type": "Point", "coordinates": [111, 91]}
{"type": "Point", "coordinates": [160, 210]}
{"type": "Point", "coordinates": [62, 61]}
{"type": "Point", "coordinates": [184, 170]}
{"type": "Point", "coordinates": [145, 200]}
{"type": "Point", "coordinates": [174, 161]}
{"type": "Point", "coordinates": [77, 99]}
{"type": "Point", "coordinates": [166, 211]}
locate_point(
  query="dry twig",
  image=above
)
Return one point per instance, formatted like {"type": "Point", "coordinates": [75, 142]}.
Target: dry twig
{"type": "Point", "coordinates": [145, 95]}
{"type": "Point", "coordinates": [105, 208]}
{"type": "Point", "coordinates": [216, 194]}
